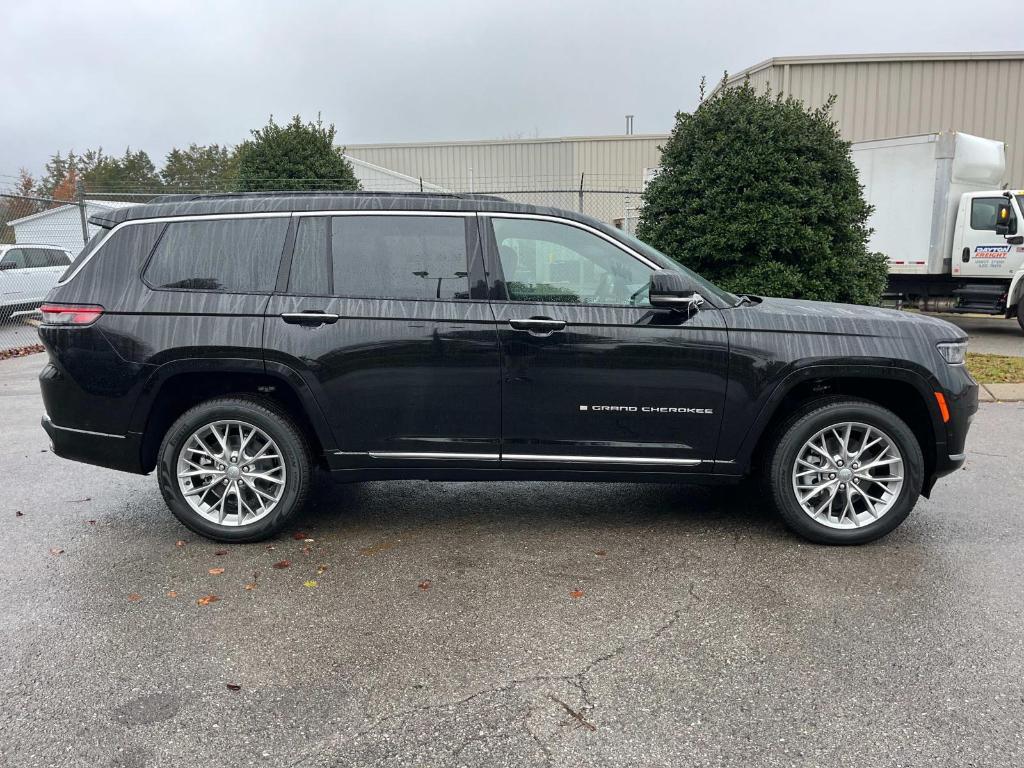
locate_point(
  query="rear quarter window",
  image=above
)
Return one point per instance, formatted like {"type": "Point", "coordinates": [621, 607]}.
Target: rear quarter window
{"type": "Point", "coordinates": [231, 255]}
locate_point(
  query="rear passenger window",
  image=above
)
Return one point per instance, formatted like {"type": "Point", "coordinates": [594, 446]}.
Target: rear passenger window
{"type": "Point", "coordinates": [35, 258]}
{"type": "Point", "coordinates": [232, 255]}
{"type": "Point", "coordinates": [55, 258]}
{"type": "Point", "coordinates": [392, 257]}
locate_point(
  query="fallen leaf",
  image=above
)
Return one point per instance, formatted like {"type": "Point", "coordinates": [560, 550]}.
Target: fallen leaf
{"type": "Point", "coordinates": [91, 522]}
{"type": "Point", "coordinates": [215, 571]}
{"type": "Point", "coordinates": [134, 597]}
{"type": "Point", "coordinates": [576, 594]}
{"type": "Point", "coordinates": [56, 551]}
{"type": "Point", "coordinates": [271, 547]}
{"type": "Point", "coordinates": [233, 686]}
{"type": "Point", "coordinates": [179, 543]}
{"type": "Point", "coordinates": [600, 552]}
{"type": "Point", "coordinates": [282, 564]}
{"type": "Point", "coordinates": [309, 584]}
{"type": "Point", "coordinates": [320, 570]}
{"type": "Point", "coordinates": [250, 586]}
{"type": "Point", "coordinates": [425, 584]}
{"type": "Point", "coordinates": [299, 536]}
{"type": "Point", "coordinates": [221, 552]}
{"type": "Point", "coordinates": [172, 594]}
{"type": "Point", "coordinates": [19, 513]}
{"type": "Point", "coordinates": [207, 600]}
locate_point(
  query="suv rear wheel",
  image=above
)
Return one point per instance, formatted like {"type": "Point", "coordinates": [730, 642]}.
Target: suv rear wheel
{"type": "Point", "coordinates": [845, 471]}
{"type": "Point", "coordinates": [234, 469]}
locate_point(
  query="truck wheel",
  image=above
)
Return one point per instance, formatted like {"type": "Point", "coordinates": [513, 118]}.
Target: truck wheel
{"type": "Point", "coordinates": [234, 469]}
{"type": "Point", "coordinates": [1020, 313]}
{"type": "Point", "coordinates": [845, 471]}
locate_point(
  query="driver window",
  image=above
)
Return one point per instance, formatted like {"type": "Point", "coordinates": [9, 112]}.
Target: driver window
{"type": "Point", "coordinates": [544, 261]}
{"type": "Point", "coordinates": [15, 259]}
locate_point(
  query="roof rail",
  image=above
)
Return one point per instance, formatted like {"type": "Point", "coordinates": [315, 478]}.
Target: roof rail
{"type": "Point", "coordinates": [185, 198]}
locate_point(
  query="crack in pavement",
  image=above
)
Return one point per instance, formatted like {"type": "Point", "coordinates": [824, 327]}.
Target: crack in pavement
{"type": "Point", "coordinates": [577, 680]}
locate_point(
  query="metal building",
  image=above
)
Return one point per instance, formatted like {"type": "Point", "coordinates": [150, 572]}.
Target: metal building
{"type": "Point", "coordinates": [904, 94]}
{"type": "Point", "coordinates": [598, 175]}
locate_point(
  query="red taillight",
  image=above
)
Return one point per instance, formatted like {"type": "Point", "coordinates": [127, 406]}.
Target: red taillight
{"type": "Point", "coordinates": [70, 314]}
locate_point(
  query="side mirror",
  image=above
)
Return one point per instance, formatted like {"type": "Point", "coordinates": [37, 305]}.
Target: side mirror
{"type": "Point", "coordinates": [669, 290]}
{"type": "Point", "coordinates": [1005, 222]}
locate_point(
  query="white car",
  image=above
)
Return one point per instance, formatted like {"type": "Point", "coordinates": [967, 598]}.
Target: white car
{"type": "Point", "coordinates": [27, 273]}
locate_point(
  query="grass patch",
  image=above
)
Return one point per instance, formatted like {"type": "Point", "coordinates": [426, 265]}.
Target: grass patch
{"type": "Point", "coordinates": [996, 369]}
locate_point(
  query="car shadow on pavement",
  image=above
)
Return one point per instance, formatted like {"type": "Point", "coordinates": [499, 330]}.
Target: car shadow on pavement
{"type": "Point", "coordinates": [337, 507]}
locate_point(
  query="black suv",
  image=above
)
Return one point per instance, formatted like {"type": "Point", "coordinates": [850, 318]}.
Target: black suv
{"type": "Point", "coordinates": [234, 342]}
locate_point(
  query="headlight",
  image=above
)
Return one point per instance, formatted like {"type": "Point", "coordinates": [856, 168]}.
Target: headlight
{"type": "Point", "coordinates": [953, 351]}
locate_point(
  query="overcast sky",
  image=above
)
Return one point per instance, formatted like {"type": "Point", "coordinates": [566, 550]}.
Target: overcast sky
{"type": "Point", "coordinates": [158, 73]}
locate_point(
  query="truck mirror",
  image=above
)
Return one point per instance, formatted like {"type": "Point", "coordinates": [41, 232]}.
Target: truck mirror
{"type": "Point", "coordinates": [1005, 224]}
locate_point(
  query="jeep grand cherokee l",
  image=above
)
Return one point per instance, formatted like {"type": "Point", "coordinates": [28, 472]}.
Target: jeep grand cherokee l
{"type": "Point", "coordinates": [233, 342]}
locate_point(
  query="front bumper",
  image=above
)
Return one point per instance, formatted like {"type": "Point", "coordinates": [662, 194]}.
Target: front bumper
{"type": "Point", "coordinates": [951, 455]}
{"type": "Point", "coordinates": [113, 451]}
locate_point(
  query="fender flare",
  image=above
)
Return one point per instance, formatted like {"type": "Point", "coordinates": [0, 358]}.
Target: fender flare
{"type": "Point", "coordinates": [923, 383]}
{"type": "Point", "coordinates": [216, 365]}
{"type": "Point", "coordinates": [1015, 293]}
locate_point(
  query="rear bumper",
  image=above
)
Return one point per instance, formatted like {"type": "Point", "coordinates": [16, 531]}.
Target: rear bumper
{"type": "Point", "coordinates": [113, 451]}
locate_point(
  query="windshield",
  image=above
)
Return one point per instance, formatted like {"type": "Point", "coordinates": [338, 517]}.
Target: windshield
{"type": "Point", "coordinates": [705, 287]}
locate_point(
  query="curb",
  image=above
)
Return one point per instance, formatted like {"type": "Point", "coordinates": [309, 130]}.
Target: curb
{"type": "Point", "coordinates": [1001, 393]}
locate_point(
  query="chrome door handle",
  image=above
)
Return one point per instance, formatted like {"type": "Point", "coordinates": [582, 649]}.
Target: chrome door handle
{"type": "Point", "coordinates": [310, 317]}
{"type": "Point", "coordinates": [538, 326]}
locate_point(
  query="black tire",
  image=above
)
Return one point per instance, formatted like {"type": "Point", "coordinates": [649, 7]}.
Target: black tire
{"type": "Point", "coordinates": [268, 417]}
{"type": "Point", "coordinates": [807, 422]}
{"type": "Point", "coordinates": [1020, 313]}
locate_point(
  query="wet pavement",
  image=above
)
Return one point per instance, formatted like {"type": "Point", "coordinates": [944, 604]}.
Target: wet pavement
{"type": "Point", "coordinates": [505, 624]}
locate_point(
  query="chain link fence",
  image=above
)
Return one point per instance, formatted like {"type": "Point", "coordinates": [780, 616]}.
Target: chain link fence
{"type": "Point", "coordinates": [40, 236]}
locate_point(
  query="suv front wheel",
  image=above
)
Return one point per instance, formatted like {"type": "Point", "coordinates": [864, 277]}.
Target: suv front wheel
{"type": "Point", "coordinates": [845, 471]}
{"type": "Point", "coordinates": [234, 469]}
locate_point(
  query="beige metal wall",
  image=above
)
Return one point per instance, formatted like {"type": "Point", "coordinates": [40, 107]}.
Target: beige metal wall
{"type": "Point", "coordinates": [883, 97]}
{"type": "Point", "coordinates": [608, 162]}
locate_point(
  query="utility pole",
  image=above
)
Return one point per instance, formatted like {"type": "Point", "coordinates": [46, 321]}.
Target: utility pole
{"type": "Point", "coordinates": [80, 191]}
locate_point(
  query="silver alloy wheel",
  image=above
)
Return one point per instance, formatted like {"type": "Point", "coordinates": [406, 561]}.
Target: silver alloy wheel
{"type": "Point", "coordinates": [232, 473]}
{"type": "Point", "coordinates": [848, 475]}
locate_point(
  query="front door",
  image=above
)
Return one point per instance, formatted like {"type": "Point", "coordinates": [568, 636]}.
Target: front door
{"type": "Point", "coordinates": [983, 252]}
{"type": "Point", "coordinates": [385, 316]}
{"type": "Point", "coordinates": [593, 376]}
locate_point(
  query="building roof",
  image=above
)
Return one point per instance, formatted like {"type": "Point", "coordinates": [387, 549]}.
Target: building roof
{"type": "Point", "coordinates": [104, 204]}
{"type": "Point", "coordinates": [550, 140]}
{"type": "Point", "coordinates": [874, 58]}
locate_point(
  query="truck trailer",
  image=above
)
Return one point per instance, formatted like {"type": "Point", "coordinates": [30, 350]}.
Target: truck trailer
{"type": "Point", "coordinates": [947, 225]}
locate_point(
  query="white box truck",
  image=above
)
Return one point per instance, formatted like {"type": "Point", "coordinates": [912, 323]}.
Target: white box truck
{"type": "Point", "coordinates": [948, 228]}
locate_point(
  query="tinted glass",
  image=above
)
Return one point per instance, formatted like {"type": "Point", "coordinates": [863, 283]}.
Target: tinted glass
{"type": "Point", "coordinates": [310, 273]}
{"type": "Point", "coordinates": [55, 258]}
{"type": "Point", "coordinates": [983, 212]}
{"type": "Point", "coordinates": [36, 257]}
{"type": "Point", "coordinates": [14, 259]}
{"type": "Point", "coordinates": [233, 255]}
{"type": "Point", "coordinates": [544, 261]}
{"type": "Point", "coordinates": [91, 246]}
{"type": "Point", "coordinates": [400, 257]}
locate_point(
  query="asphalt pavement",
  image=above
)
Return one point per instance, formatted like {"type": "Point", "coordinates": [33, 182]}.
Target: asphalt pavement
{"type": "Point", "coordinates": [504, 624]}
{"type": "Point", "coordinates": [991, 335]}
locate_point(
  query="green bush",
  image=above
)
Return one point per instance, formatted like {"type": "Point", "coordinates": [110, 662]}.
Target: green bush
{"type": "Point", "coordinates": [758, 194]}
{"type": "Point", "coordinates": [293, 156]}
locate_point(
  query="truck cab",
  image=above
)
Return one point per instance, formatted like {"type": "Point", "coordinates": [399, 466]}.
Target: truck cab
{"type": "Point", "coordinates": [985, 248]}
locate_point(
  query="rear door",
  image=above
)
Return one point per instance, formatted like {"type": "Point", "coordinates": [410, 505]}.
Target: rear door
{"type": "Point", "coordinates": [384, 315]}
{"type": "Point", "coordinates": [593, 376]}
